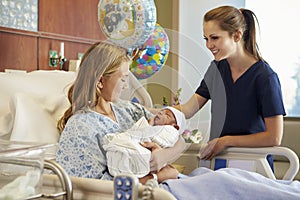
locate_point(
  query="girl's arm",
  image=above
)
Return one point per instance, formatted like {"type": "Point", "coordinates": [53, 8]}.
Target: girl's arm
{"type": "Point", "coordinates": [167, 172]}
{"type": "Point", "coordinates": [160, 157]}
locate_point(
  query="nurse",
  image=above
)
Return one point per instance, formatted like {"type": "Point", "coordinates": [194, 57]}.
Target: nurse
{"type": "Point", "coordinates": [245, 93]}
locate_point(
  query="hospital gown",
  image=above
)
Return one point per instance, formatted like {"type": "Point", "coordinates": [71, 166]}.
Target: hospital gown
{"type": "Point", "coordinates": [80, 150]}
{"type": "Point", "coordinates": [124, 152]}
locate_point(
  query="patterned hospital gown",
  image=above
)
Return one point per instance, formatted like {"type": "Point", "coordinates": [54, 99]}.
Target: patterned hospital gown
{"type": "Point", "coordinates": [80, 150]}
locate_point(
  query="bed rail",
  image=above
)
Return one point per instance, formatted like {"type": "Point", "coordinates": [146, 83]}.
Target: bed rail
{"type": "Point", "coordinates": [90, 189]}
{"type": "Point", "coordinates": [59, 172]}
{"type": "Point", "coordinates": [64, 179]}
{"type": "Point", "coordinates": [240, 157]}
{"type": "Point", "coordinates": [259, 156]}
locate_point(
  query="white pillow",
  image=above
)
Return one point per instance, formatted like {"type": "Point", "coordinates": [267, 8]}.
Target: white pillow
{"type": "Point", "coordinates": [44, 86]}
{"type": "Point", "coordinates": [31, 121]}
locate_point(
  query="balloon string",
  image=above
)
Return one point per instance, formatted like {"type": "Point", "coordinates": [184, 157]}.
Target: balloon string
{"type": "Point", "coordinates": [136, 53]}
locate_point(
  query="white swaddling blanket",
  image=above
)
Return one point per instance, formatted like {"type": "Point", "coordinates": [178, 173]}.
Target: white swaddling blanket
{"type": "Point", "coordinates": [124, 152]}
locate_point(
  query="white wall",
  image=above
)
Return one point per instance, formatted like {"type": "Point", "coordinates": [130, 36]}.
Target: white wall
{"type": "Point", "coordinates": [279, 41]}
{"type": "Point", "coordinates": [194, 58]}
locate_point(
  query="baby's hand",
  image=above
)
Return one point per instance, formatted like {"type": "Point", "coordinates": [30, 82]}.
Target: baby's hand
{"type": "Point", "coordinates": [151, 121]}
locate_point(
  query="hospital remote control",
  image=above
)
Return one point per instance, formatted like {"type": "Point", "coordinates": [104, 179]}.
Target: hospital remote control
{"type": "Point", "coordinates": [125, 187]}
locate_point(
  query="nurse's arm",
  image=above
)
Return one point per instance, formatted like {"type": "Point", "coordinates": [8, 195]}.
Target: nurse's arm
{"type": "Point", "coordinates": [193, 105]}
{"type": "Point", "coordinates": [272, 136]}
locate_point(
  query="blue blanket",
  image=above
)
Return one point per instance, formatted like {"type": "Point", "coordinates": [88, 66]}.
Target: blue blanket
{"type": "Point", "coordinates": [231, 184]}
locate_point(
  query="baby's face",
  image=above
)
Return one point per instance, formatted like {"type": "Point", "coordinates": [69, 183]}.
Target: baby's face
{"type": "Point", "coordinates": [164, 117]}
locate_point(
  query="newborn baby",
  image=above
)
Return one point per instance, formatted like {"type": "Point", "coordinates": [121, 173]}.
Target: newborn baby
{"type": "Point", "coordinates": [124, 152]}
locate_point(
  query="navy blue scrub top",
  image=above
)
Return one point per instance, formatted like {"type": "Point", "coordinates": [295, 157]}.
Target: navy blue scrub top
{"type": "Point", "coordinates": [255, 95]}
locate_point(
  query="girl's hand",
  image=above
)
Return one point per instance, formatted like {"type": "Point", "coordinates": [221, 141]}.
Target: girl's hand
{"type": "Point", "coordinates": [167, 172]}
{"type": "Point", "coordinates": [158, 159]}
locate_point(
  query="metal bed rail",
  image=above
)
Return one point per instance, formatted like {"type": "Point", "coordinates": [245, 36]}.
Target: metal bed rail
{"type": "Point", "coordinates": [65, 181]}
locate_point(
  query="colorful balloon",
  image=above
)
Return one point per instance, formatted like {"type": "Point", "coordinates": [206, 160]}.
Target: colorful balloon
{"type": "Point", "coordinates": [152, 55]}
{"type": "Point", "coordinates": [127, 23]}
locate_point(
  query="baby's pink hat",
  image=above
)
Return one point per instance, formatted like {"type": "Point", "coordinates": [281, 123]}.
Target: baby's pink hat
{"type": "Point", "coordinates": [180, 118]}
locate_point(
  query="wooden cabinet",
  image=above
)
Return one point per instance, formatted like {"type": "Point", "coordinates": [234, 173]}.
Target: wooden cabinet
{"type": "Point", "coordinates": [74, 22]}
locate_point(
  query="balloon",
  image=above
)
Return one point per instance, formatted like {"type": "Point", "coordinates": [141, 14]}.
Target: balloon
{"type": "Point", "coordinates": [152, 55]}
{"type": "Point", "coordinates": [127, 23]}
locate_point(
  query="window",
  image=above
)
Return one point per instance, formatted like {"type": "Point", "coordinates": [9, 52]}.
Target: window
{"type": "Point", "coordinates": [279, 43]}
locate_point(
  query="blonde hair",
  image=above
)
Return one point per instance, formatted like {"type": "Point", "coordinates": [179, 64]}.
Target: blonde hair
{"type": "Point", "coordinates": [101, 59]}
{"type": "Point", "coordinates": [231, 19]}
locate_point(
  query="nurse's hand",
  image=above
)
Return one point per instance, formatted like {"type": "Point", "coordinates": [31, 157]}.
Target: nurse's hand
{"type": "Point", "coordinates": [158, 159]}
{"type": "Point", "coordinates": [213, 148]}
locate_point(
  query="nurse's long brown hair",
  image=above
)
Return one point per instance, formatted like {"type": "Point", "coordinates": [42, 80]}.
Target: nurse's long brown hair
{"type": "Point", "coordinates": [232, 19]}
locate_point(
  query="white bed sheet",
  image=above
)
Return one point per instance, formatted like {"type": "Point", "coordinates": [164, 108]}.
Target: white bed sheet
{"type": "Point", "coordinates": [234, 184]}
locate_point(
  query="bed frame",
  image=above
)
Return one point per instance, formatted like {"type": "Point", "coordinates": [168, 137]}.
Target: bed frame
{"type": "Point", "coordinates": [56, 184]}
{"type": "Point", "coordinates": [60, 186]}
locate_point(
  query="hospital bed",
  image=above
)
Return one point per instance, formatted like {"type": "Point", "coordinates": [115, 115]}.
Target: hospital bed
{"type": "Point", "coordinates": [43, 93]}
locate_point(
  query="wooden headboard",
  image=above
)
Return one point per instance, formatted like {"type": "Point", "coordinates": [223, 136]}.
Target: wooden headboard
{"type": "Point", "coordinates": [73, 22]}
